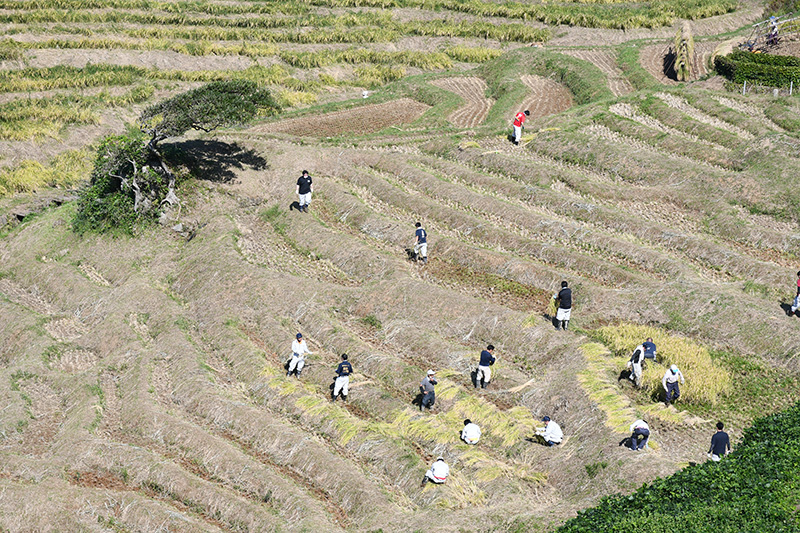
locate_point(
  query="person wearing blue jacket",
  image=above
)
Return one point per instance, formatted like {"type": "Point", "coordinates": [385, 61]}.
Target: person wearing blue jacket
{"type": "Point", "coordinates": [484, 374]}
{"type": "Point", "coordinates": [342, 382]}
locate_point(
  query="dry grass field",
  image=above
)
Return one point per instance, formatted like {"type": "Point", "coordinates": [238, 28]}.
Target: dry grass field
{"type": "Point", "coordinates": [143, 379]}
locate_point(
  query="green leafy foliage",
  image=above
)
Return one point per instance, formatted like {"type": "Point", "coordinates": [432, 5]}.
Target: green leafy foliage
{"type": "Point", "coordinates": [222, 103]}
{"type": "Point", "coordinates": [775, 71]}
{"type": "Point", "coordinates": [754, 489]}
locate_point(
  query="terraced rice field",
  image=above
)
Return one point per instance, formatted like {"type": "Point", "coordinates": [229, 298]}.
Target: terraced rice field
{"type": "Point", "coordinates": [476, 106]}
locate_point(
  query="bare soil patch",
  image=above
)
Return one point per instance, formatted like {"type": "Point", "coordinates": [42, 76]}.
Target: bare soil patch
{"type": "Point", "coordinates": [76, 361]}
{"type": "Point", "coordinates": [546, 97]}
{"type": "Point", "coordinates": [65, 329]}
{"type": "Point", "coordinates": [476, 104]}
{"type": "Point", "coordinates": [654, 59]}
{"type": "Point", "coordinates": [605, 61]}
{"type": "Point", "coordinates": [160, 59]}
{"type": "Point", "coordinates": [359, 120]}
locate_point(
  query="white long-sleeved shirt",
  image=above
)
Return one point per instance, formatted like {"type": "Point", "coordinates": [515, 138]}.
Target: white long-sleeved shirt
{"type": "Point", "coordinates": [299, 348]}
{"type": "Point", "coordinates": [669, 377]}
{"type": "Point", "coordinates": [440, 471]}
{"type": "Point", "coordinates": [640, 424]}
{"type": "Point", "coordinates": [552, 432]}
{"type": "Point", "coordinates": [471, 433]}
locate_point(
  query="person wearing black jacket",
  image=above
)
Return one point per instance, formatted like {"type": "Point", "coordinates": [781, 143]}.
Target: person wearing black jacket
{"type": "Point", "coordinates": [564, 299]}
{"type": "Point", "coordinates": [484, 374]}
{"type": "Point", "coordinates": [342, 382]}
{"type": "Point", "coordinates": [720, 444]}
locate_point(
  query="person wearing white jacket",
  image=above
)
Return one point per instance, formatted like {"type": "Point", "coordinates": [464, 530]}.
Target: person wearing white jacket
{"type": "Point", "coordinates": [438, 472]}
{"type": "Point", "coordinates": [670, 383]}
{"type": "Point", "coordinates": [299, 351]}
{"type": "Point", "coordinates": [471, 433]}
{"type": "Point", "coordinates": [551, 432]}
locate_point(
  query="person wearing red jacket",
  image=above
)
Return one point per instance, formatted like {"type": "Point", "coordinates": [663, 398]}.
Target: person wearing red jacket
{"type": "Point", "coordinates": [519, 120]}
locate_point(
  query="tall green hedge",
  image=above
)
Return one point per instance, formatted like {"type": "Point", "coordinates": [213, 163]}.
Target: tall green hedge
{"type": "Point", "coordinates": [754, 489]}
{"type": "Point", "coordinates": [775, 71]}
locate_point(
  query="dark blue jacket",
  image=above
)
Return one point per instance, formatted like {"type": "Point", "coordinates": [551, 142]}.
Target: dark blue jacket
{"type": "Point", "coordinates": [486, 359]}
{"type": "Point", "coordinates": [344, 369]}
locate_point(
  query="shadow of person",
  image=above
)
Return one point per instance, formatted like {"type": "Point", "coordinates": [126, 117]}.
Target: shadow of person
{"type": "Point", "coordinates": [294, 205]}
{"type": "Point", "coordinates": [556, 323]}
{"type": "Point", "coordinates": [627, 442]}
{"type": "Point", "coordinates": [411, 255]}
{"type": "Point", "coordinates": [625, 374]}
{"type": "Point", "coordinates": [787, 308]}
{"type": "Point", "coordinates": [473, 376]}
{"type": "Point", "coordinates": [214, 160]}
{"type": "Point", "coordinates": [537, 439]}
{"type": "Point", "coordinates": [510, 137]}
{"type": "Point", "coordinates": [418, 400]}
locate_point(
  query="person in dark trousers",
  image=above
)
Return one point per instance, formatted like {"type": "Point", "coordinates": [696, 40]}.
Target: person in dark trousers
{"type": "Point", "coordinates": [426, 388]}
{"type": "Point", "coordinates": [304, 189]}
{"type": "Point", "coordinates": [720, 444]}
{"type": "Point", "coordinates": [649, 349]}
{"type": "Point", "coordinates": [421, 244]}
{"type": "Point", "coordinates": [796, 302]}
{"type": "Point", "coordinates": [639, 429]}
{"type": "Point", "coordinates": [564, 299]}
{"type": "Point", "coordinates": [342, 382]}
{"type": "Point", "coordinates": [484, 374]}
{"type": "Point", "coordinates": [670, 383]}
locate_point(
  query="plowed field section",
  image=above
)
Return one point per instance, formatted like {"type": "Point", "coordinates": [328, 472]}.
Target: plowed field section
{"type": "Point", "coordinates": [605, 61]}
{"type": "Point", "coordinates": [476, 105]}
{"type": "Point", "coordinates": [546, 97]}
{"type": "Point", "coordinates": [655, 60]}
{"type": "Point", "coordinates": [365, 119]}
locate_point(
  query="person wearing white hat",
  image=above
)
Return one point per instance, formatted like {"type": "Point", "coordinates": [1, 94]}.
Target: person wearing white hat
{"type": "Point", "coordinates": [426, 388]}
{"type": "Point", "coordinates": [438, 472]}
{"type": "Point", "coordinates": [299, 351]}
{"type": "Point", "coordinates": [670, 383]}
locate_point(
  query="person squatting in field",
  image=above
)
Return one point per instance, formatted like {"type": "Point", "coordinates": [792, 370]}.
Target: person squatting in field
{"type": "Point", "coordinates": [564, 299]}
{"type": "Point", "coordinates": [484, 373]}
{"type": "Point", "coordinates": [420, 244]}
{"type": "Point", "coordinates": [426, 388]}
{"type": "Point", "coordinates": [649, 349]}
{"type": "Point", "coordinates": [519, 121]}
{"type": "Point", "coordinates": [299, 351]}
{"type": "Point", "coordinates": [304, 189]}
{"type": "Point", "coordinates": [438, 472]}
{"type": "Point", "coordinates": [471, 433]}
{"type": "Point", "coordinates": [670, 383]}
{"type": "Point", "coordinates": [551, 433]}
{"type": "Point", "coordinates": [342, 382]}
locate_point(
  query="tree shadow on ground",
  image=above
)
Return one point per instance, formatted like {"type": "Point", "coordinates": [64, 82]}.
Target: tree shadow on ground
{"type": "Point", "coordinates": [215, 160]}
{"type": "Point", "coordinates": [669, 66]}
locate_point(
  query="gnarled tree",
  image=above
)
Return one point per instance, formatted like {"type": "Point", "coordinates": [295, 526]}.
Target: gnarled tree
{"type": "Point", "coordinates": [132, 179]}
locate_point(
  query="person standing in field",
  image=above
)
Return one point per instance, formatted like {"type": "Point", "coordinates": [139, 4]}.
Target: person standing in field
{"type": "Point", "coordinates": [471, 433]}
{"type": "Point", "coordinates": [304, 189]}
{"type": "Point", "coordinates": [639, 429]}
{"type": "Point", "coordinates": [720, 444]}
{"type": "Point", "coordinates": [649, 349]}
{"type": "Point", "coordinates": [670, 383]}
{"type": "Point", "coordinates": [564, 299]}
{"type": "Point", "coordinates": [426, 388]}
{"type": "Point", "coordinates": [420, 244]}
{"type": "Point", "coordinates": [342, 382]}
{"type": "Point", "coordinates": [796, 302]}
{"type": "Point", "coordinates": [635, 365]}
{"type": "Point", "coordinates": [484, 374]}
{"type": "Point", "coordinates": [299, 351]}
{"type": "Point", "coordinates": [519, 121]}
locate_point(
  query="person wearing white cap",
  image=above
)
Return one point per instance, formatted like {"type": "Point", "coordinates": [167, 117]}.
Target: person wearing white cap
{"type": "Point", "coordinates": [438, 472]}
{"type": "Point", "coordinates": [299, 351]}
{"type": "Point", "coordinates": [551, 432]}
{"type": "Point", "coordinates": [426, 388]}
{"type": "Point", "coordinates": [670, 383]}
{"type": "Point", "coordinates": [471, 433]}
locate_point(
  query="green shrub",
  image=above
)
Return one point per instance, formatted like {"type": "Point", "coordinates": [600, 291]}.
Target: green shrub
{"type": "Point", "coordinates": [754, 489]}
{"type": "Point", "coordinates": [775, 71]}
